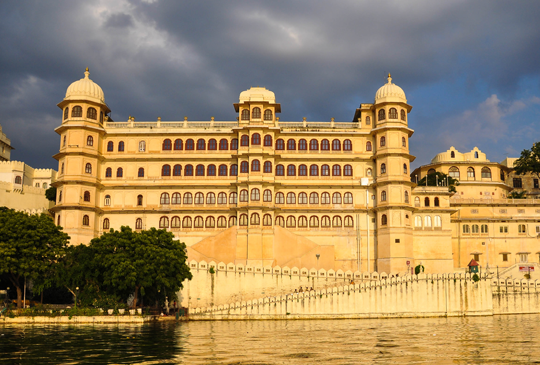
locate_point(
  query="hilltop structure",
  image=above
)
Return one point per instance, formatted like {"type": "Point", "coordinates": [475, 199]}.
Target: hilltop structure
{"type": "Point", "coordinates": [5, 146]}
{"type": "Point", "coordinates": [263, 192]}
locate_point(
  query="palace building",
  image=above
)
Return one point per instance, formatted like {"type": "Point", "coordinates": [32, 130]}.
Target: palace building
{"type": "Point", "coordinates": [263, 192]}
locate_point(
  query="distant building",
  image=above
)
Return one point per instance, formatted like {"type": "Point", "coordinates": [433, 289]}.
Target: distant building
{"type": "Point", "coordinates": [5, 146]}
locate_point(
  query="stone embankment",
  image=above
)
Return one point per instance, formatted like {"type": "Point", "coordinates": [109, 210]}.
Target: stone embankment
{"type": "Point", "coordinates": [78, 319]}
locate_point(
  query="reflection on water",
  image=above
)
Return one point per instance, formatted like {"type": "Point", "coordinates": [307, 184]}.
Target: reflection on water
{"type": "Point", "coordinates": [486, 340]}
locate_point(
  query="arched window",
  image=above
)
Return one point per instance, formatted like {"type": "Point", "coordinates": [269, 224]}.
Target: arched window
{"type": "Point", "coordinates": [101, 117]}
{"type": "Point", "coordinates": [313, 198]}
{"type": "Point", "coordinates": [336, 198]}
{"type": "Point", "coordinates": [66, 111]}
{"type": "Point", "coordinates": [186, 222]}
{"type": "Point", "coordinates": [176, 199]}
{"type": "Point", "coordinates": [211, 170]}
{"type": "Point", "coordinates": [347, 145]}
{"type": "Point", "coordinates": [175, 222]}
{"type": "Point", "coordinates": [383, 196]}
{"type": "Point", "coordinates": [267, 220]}
{"type": "Point", "coordinates": [302, 222]}
{"type": "Point", "coordinates": [313, 145]}
{"type": "Point", "coordinates": [383, 141]}
{"type": "Point", "coordinates": [244, 167]}
{"type": "Point", "coordinates": [368, 172]}
{"type": "Point", "coordinates": [233, 198]}
{"type": "Point", "coordinates": [291, 170]}
{"type": "Point", "coordinates": [142, 146]}
{"type": "Point", "coordinates": [198, 222]}
{"type": "Point", "coordinates": [139, 200]}
{"type": "Point", "coordinates": [267, 114]}
{"type": "Point", "coordinates": [416, 201]}
{"type": "Point", "coordinates": [486, 173]}
{"type": "Point", "coordinates": [325, 198]}
{"type": "Point", "coordinates": [368, 146]}
{"type": "Point", "coordinates": [121, 146]}
{"type": "Point", "coordinates": [108, 172]}
{"type": "Point", "coordinates": [76, 112]}
{"type": "Point", "coordinates": [392, 113]}
{"type": "Point", "coordinates": [418, 221]}
{"type": "Point", "coordinates": [438, 223]}
{"type": "Point", "coordinates": [407, 197]}
{"type": "Point", "coordinates": [255, 219]}
{"type": "Point", "coordinates": [178, 145]}
{"type": "Point", "coordinates": [291, 198]}
{"type": "Point", "coordinates": [199, 171]}
{"type": "Point", "coordinates": [382, 114]}
{"type": "Point", "coordinates": [177, 170]}
{"type": "Point", "coordinates": [436, 202]}
{"type": "Point", "coordinates": [267, 196]}
{"type": "Point", "coordinates": [243, 221]}
{"type": "Point", "coordinates": [223, 144]}
{"type": "Point", "coordinates": [302, 198]}
{"type": "Point", "coordinates": [188, 171]}
{"type": "Point", "coordinates": [347, 198]}
{"type": "Point", "coordinates": [325, 221]}
{"type": "Point", "coordinates": [453, 172]}
{"type": "Point", "coordinates": [403, 115]}
{"type": "Point", "coordinates": [110, 146]}
{"type": "Point", "coordinates": [383, 168]}
{"type": "Point", "coordinates": [234, 146]}
{"type": "Point", "coordinates": [268, 167]}
{"type": "Point", "coordinates": [86, 196]}
{"type": "Point", "coordinates": [222, 198]}
{"type": "Point", "coordinates": [86, 220]}
{"type": "Point", "coordinates": [325, 145]}
{"type": "Point", "coordinates": [302, 145]}
{"type": "Point", "coordinates": [165, 199]}
{"type": "Point", "coordinates": [325, 170]}
{"type": "Point", "coordinates": [256, 139]}
{"type": "Point", "coordinates": [234, 170]}
{"type": "Point", "coordinates": [90, 141]}
{"type": "Point", "coordinates": [190, 145]}
{"type": "Point", "coordinates": [336, 145]}
{"type": "Point", "coordinates": [291, 222]}
{"type": "Point", "coordinates": [256, 113]}
{"type": "Point", "coordinates": [199, 198]}
{"type": "Point", "coordinates": [268, 140]}
{"type": "Point", "coordinates": [88, 168]}
{"type": "Point", "coordinates": [336, 221]}
{"type": "Point", "coordinates": [210, 222]}
{"type": "Point", "coordinates": [403, 142]}
{"type": "Point", "coordinates": [164, 222]}
{"type": "Point", "coordinates": [201, 144]}
{"type": "Point", "coordinates": [470, 173]}
{"type": "Point", "coordinates": [280, 221]}
{"type": "Point", "coordinates": [244, 195]}
{"type": "Point", "coordinates": [222, 222]}
{"type": "Point", "coordinates": [452, 154]}
{"type": "Point", "coordinates": [426, 202]}
{"type": "Point", "coordinates": [138, 223]}
{"type": "Point", "coordinates": [347, 170]}
{"type": "Point", "coordinates": [291, 145]}
{"type": "Point", "coordinates": [384, 220]}
{"type": "Point", "coordinates": [211, 198]}
{"type": "Point", "coordinates": [405, 168]}
{"type": "Point", "coordinates": [166, 170]}
{"type": "Point", "coordinates": [280, 144]}
{"type": "Point", "coordinates": [60, 196]}
{"type": "Point", "coordinates": [302, 170]}
{"type": "Point", "coordinates": [64, 141]}
{"type": "Point", "coordinates": [476, 154]}
{"type": "Point", "coordinates": [255, 194]}
{"type": "Point", "coordinates": [336, 170]}
{"type": "Point", "coordinates": [349, 223]}
{"type": "Point", "coordinates": [212, 145]}
{"type": "Point", "coordinates": [427, 221]}
{"type": "Point", "coordinates": [280, 170]}
{"type": "Point", "coordinates": [255, 165]}
{"type": "Point", "coordinates": [166, 145]}
{"type": "Point", "coordinates": [222, 170]}
{"type": "Point", "coordinates": [368, 120]}
{"type": "Point", "coordinates": [314, 170]}
{"type": "Point", "coordinates": [232, 221]}
{"type": "Point", "coordinates": [280, 198]}
{"type": "Point", "coordinates": [314, 221]}
{"type": "Point", "coordinates": [188, 199]}
{"type": "Point", "coordinates": [91, 113]}
{"type": "Point", "coordinates": [245, 114]}
{"type": "Point", "coordinates": [244, 140]}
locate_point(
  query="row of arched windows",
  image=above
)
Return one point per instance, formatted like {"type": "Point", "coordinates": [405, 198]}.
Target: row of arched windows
{"type": "Point", "coordinates": [77, 112]}
{"type": "Point", "coordinates": [392, 114]}
{"type": "Point", "coordinates": [436, 201]}
{"type": "Point", "coordinates": [256, 114]}
{"type": "Point", "coordinates": [200, 145]}
{"type": "Point", "coordinates": [454, 172]}
{"type": "Point", "coordinates": [475, 228]}
{"type": "Point", "coordinates": [382, 142]}
{"type": "Point", "coordinates": [428, 221]}
{"type": "Point", "coordinates": [325, 145]}
{"type": "Point", "coordinates": [383, 196]}
{"type": "Point", "coordinates": [383, 168]}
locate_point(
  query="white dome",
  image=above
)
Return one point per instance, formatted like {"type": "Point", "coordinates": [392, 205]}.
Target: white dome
{"type": "Point", "coordinates": [257, 94]}
{"type": "Point", "coordinates": [85, 89]}
{"type": "Point", "coordinates": [390, 93]}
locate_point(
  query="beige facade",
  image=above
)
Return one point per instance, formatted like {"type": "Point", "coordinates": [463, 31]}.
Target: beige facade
{"type": "Point", "coordinates": [5, 146]}
{"type": "Point", "coordinates": [257, 191]}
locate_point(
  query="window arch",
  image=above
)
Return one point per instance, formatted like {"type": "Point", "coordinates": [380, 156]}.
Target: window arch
{"type": "Point", "coordinates": [110, 146]}
{"type": "Point", "coordinates": [349, 223]}
{"type": "Point", "coordinates": [64, 141]}
{"type": "Point", "coordinates": [166, 145]}
{"type": "Point", "coordinates": [91, 113]}
{"type": "Point", "coordinates": [244, 140]}
{"type": "Point", "coordinates": [211, 198]}
{"type": "Point", "coordinates": [405, 168]}
{"type": "Point", "coordinates": [267, 114]}
{"type": "Point", "coordinates": [302, 222]}
{"type": "Point", "coordinates": [90, 141]}
{"type": "Point", "coordinates": [267, 220]}
{"type": "Point", "coordinates": [417, 201]}
{"type": "Point", "coordinates": [347, 198]}
{"type": "Point", "coordinates": [325, 198]}
{"type": "Point", "coordinates": [222, 170]}
{"type": "Point", "coordinates": [166, 170]}
{"type": "Point", "coordinates": [291, 145]}
{"type": "Point", "coordinates": [190, 145]}
{"type": "Point", "coordinates": [438, 223]}
{"type": "Point", "coordinates": [384, 220]}
{"type": "Point", "coordinates": [268, 140]}
{"type": "Point", "coordinates": [392, 113]}
{"type": "Point", "coordinates": [403, 115]}
{"type": "Point", "coordinates": [164, 222]}
{"type": "Point", "coordinates": [347, 145]}
{"type": "Point", "coordinates": [234, 170]}
{"type": "Point", "coordinates": [280, 144]}
{"type": "Point", "coordinates": [418, 221]}
{"type": "Point", "coordinates": [233, 198]}
{"type": "Point", "coordinates": [336, 170]}
{"type": "Point", "coordinates": [403, 142]}
{"type": "Point", "coordinates": [255, 165]}
{"type": "Point", "coordinates": [66, 111]}
{"type": "Point", "coordinates": [314, 221]}
{"type": "Point", "coordinates": [188, 171]}
{"type": "Point", "coordinates": [88, 168]}
{"type": "Point", "coordinates": [383, 141]}
{"type": "Point", "coordinates": [188, 199]}
{"type": "Point", "coordinates": [198, 222]}
{"type": "Point", "coordinates": [314, 145]}
{"type": "Point", "coordinates": [368, 146]}
{"type": "Point", "coordinates": [486, 173]}
{"type": "Point", "coordinates": [452, 154]}
{"type": "Point", "coordinates": [234, 145]}
{"type": "Point", "coordinates": [470, 173]}
{"type": "Point", "coordinates": [268, 167]}
{"type": "Point", "coordinates": [267, 196]}
{"type": "Point", "coordinates": [121, 146]}
{"type": "Point", "coordinates": [383, 196]}
{"type": "Point", "coordinates": [175, 222]}
{"type": "Point", "coordinates": [407, 197]}
{"type": "Point", "coordinates": [210, 222]}
{"type": "Point", "coordinates": [165, 199]}
{"type": "Point", "coordinates": [256, 113]}
{"type": "Point", "coordinates": [201, 144]}
{"type": "Point", "coordinates": [244, 167]}
{"type": "Point", "coordinates": [325, 145]}
{"type": "Point", "coordinates": [142, 146]}
{"type": "Point", "coordinates": [222, 222]}
{"type": "Point", "coordinates": [302, 198]}
{"type": "Point", "coordinates": [314, 170]}
{"type": "Point", "coordinates": [256, 139]}
{"type": "Point", "coordinates": [302, 170]}
{"type": "Point", "coordinates": [138, 223]}
{"type": "Point", "coordinates": [76, 112]}
{"type": "Point", "coordinates": [325, 170]}
{"type": "Point", "coordinates": [336, 145]}
{"type": "Point", "coordinates": [178, 145]}
{"type": "Point", "coordinates": [211, 170]}
{"type": "Point", "coordinates": [86, 196]}
{"type": "Point", "coordinates": [223, 144]}
{"type": "Point", "coordinates": [176, 199]}
{"type": "Point", "coordinates": [243, 221]}
{"type": "Point", "coordinates": [436, 202]}
{"type": "Point", "coordinates": [383, 168]}
{"type": "Point", "coordinates": [336, 198]}
{"type": "Point", "coordinates": [177, 170]}
{"type": "Point", "coordinates": [280, 198]}
{"type": "Point", "coordinates": [426, 201]}
{"type": "Point", "coordinates": [212, 144]}
{"type": "Point", "coordinates": [245, 114]}
{"type": "Point", "coordinates": [186, 222]}
{"type": "Point", "coordinates": [255, 219]}
{"type": "Point", "coordinates": [302, 145]}
{"type": "Point", "coordinates": [382, 114]}
{"type": "Point", "coordinates": [108, 172]}
{"type": "Point", "coordinates": [291, 198]}
{"type": "Point", "coordinates": [280, 221]}
{"type": "Point", "coordinates": [199, 198]}
{"type": "Point", "coordinates": [325, 221]}
{"type": "Point", "coordinates": [244, 195]}
{"type": "Point", "coordinates": [291, 222]}
{"type": "Point", "coordinates": [453, 172]}
{"type": "Point", "coordinates": [255, 194]}
{"type": "Point", "coordinates": [291, 170]}
{"type": "Point", "coordinates": [368, 120]}
{"type": "Point", "coordinates": [222, 198]}
{"type": "Point", "coordinates": [476, 154]}
{"type": "Point", "coordinates": [199, 170]}
{"type": "Point", "coordinates": [232, 221]}
{"type": "Point", "coordinates": [85, 220]}
{"type": "Point", "coordinates": [313, 198]}
{"type": "Point", "coordinates": [336, 221]}
{"type": "Point", "coordinates": [427, 221]}
{"type": "Point", "coordinates": [139, 200]}
{"type": "Point", "coordinates": [347, 170]}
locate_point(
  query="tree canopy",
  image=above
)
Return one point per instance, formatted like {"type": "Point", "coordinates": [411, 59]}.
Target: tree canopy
{"type": "Point", "coordinates": [50, 194]}
{"type": "Point", "coordinates": [529, 161]}
{"type": "Point", "coordinates": [439, 179]}
{"type": "Point", "coordinates": [30, 246]}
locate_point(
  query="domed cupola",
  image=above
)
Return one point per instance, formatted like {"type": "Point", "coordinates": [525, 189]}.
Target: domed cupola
{"type": "Point", "coordinates": [85, 89]}
{"type": "Point", "coordinates": [390, 93]}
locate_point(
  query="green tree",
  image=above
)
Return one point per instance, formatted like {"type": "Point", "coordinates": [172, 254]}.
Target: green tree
{"type": "Point", "coordinates": [440, 179]}
{"type": "Point", "coordinates": [517, 195]}
{"type": "Point", "coordinates": [30, 246]}
{"type": "Point", "coordinates": [529, 161]}
{"type": "Point", "coordinates": [146, 262]}
{"type": "Point", "coordinates": [50, 194]}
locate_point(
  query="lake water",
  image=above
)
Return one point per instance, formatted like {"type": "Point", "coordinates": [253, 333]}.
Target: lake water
{"type": "Point", "coordinates": [470, 340]}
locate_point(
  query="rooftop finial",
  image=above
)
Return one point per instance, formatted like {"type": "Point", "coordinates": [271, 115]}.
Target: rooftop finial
{"type": "Point", "coordinates": [86, 73]}
{"type": "Point", "coordinates": [389, 78]}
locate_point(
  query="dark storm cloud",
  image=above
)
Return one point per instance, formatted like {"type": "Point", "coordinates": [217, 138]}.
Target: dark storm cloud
{"type": "Point", "coordinates": [176, 58]}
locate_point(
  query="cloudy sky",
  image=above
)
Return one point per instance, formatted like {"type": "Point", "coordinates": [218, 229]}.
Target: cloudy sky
{"type": "Point", "coordinates": [470, 69]}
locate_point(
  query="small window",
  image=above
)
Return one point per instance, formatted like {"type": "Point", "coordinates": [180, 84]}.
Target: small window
{"type": "Point", "coordinates": [405, 168]}
{"type": "Point", "coordinates": [325, 145]}
{"type": "Point", "coordinates": [255, 194]}
{"type": "Point", "coordinates": [325, 198]}
{"type": "Point", "coordinates": [199, 198]}
{"type": "Point", "coordinates": [267, 196]}
{"type": "Point", "coordinates": [142, 146]}
{"type": "Point", "coordinates": [212, 145]}
{"type": "Point", "coordinates": [190, 145]}
{"type": "Point", "coordinates": [347, 198]}
{"type": "Point", "coordinates": [90, 141]}
{"type": "Point", "coordinates": [336, 170]}
{"type": "Point", "coordinates": [314, 170]}
{"type": "Point", "coordinates": [256, 139]}
{"type": "Point", "coordinates": [427, 221]}
{"type": "Point", "coordinates": [234, 145]}
{"type": "Point", "coordinates": [222, 170]}
{"type": "Point", "coordinates": [368, 146]}
{"type": "Point", "coordinates": [302, 198]}
{"type": "Point", "coordinates": [86, 220]}
{"type": "Point", "coordinates": [280, 145]}
{"type": "Point", "coordinates": [233, 198]}
{"type": "Point", "coordinates": [302, 170]}
{"type": "Point", "coordinates": [66, 112]}
{"type": "Point", "coordinates": [466, 228]}
{"type": "Point", "coordinates": [121, 146]}
{"type": "Point", "coordinates": [436, 202]}
{"type": "Point", "coordinates": [119, 172]}
{"type": "Point", "coordinates": [255, 219]}
{"type": "Point", "coordinates": [313, 145]}
{"type": "Point", "coordinates": [336, 198]}
{"type": "Point", "coordinates": [535, 183]}
{"type": "Point", "coordinates": [383, 168]}
{"type": "Point", "coordinates": [91, 113]}
{"type": "Point", "coordinates": [475, 228]}
{"type": "Point", "coordinates": [255, 165]}
{"type": "Point", "coordinates": [88, 168]}
{"type": "Point", "coordinates": [291, 198]}
{"type": "Point", "coordinates": [302, 145]}
{"type": "Point", "coordinates": [165, 199]}
{"type": "Point", "coordinates": [110, 146]}
{"type": "Point", "coordinates": [505, 257]}
{"type": "Point", "coordinates": [178, 145]}
{"type": "Point", "coordinates": [486, 173]}
{"type": "Point", "coordinates": [199, 171]}
{"type": "Point", "coordinates": [403, 115]}
{"type": "Point", "coordinates": [280, 198]}
{"type": "Point", "coordinates": [426, 202]}
{"type": "Point", "coordinates": [268, 167]}
{"type": "Point", "coordinates": [244, 167]}
{"type": "Point", "coordinates": [18, 180]}
{"type": "Point", "coordinates": [188, 171]}
{"type": "Point", "coordinates": [164, 222]}
{"type": "Point", "coordinates": [201, 144]}
{"type": "Point", "coordinates": [403, 142]}
{"type": "Point", "coordinates": [347, 145]}
{"type": "Point", "coordinates": [476, 154]}
{"type": "Point", "coordinates": [76, 112]}
{"type": "Point", "coordinates": [470, 173]}
{"type": "Point", "coordinates": [186, 222]}
{"type": "Point", "coordinates": [108, 172]}
{"type": "Point", "coordinates": [267, 114]}
{"type": "Point", "coordinates": [188, 199]}
{"type": "Point", "coordinates": [291, 170]}
{"type": "Point", "coordinates": [476, 257]}
{"type": "Point", "coordinates": [325, 170]}
{"type": "Point", "coordinates": [106, 223]}
{"type": "Point", "coordinates": [336, 145]}
{"type": "Point", "coordinates": [175, 222]}
{"type": "Point", "coordinates": [452, 154]}
{"type": "Point", "coordinates": [166, 170]}
{"type": "Point", "coordinates": [63, 143]}
{"type": "Point", "coordinates": [243, 221]}
{"type": "Point", "coordinates": [223, 145]}
{"type": "Point", "coordinates": [313, 198]}
{"type": "Point", "coordinates": [418, 221]}
{"type": "Point", "coordinates": [86, 196]}
{"type": "Point", "coordinates": [368, 120]}
{"type": "Point", "coordinates": [484, 228]}
{"type": "Point", "coordinates": [291, 145]}
{"type": "Point", "coordinates": [268, 140]}
{"type": "Point", "coordinates": [383, 196]}
{"type": "Point", "coordinates": [245, 114]}
{"type": "Point", "coordinates": [211, 170]}
{"type": "Point", "coordinates": [222, 198]}
{"type": "Point", "coordinates": [517, 183]}
{"type": "Point", "coordinates": [222, 222]}
{"type": "Point", "coordinates": [522, 228]}
{"type": "Point", "coordinates": [211, 198]}
{"type": "Point", "coordinates": [392, 113]}
{"type": "Point", "coordinates": [383, 141]}
{"type": "Point", "coordinates": [382, 114]}
{"type": "Point", "coordinates": [256, 113]}
{"type": "Point", "coordinates": [177, 170]}
{"type": "Point", "coordinates": [244, 196]}
{"type": "Point", "coordinates": [167, 145]}
{"type": "Point", "coordinates": [325, 221]}
{"type": "Point", "coordinates": [234, 170]}
{"type": "Point", "coordinates": [291, 222]}
{"type": "Point", "coordinates": [454, 172]}
{"type": "Point", "coordinates": [314, 221]}
{"type": "Point", "coordinates": [139, 200]}
{"type": "Point", "coordinates": [384, 220]}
